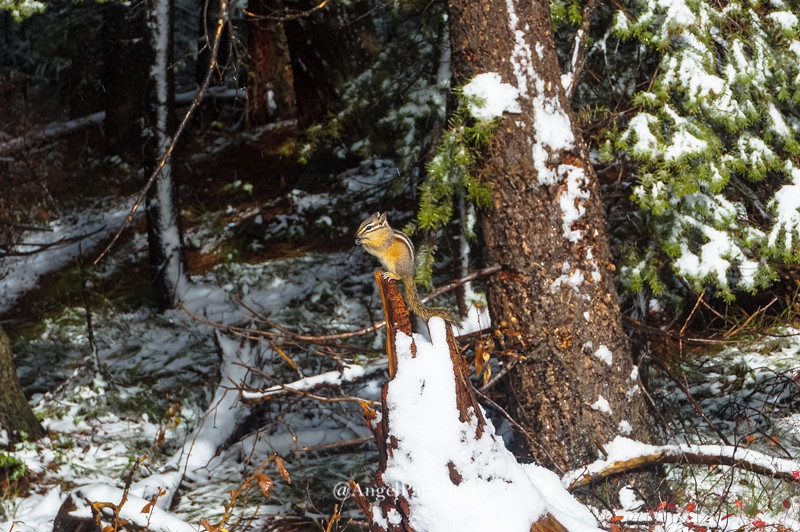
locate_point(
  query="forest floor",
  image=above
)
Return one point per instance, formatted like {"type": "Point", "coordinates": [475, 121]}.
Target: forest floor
{"type": "Point", "coordinates": [123, 394]}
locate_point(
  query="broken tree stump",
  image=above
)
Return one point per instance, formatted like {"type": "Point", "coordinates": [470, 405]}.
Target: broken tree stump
{"type": "Point", "coordinates": [440, 465]}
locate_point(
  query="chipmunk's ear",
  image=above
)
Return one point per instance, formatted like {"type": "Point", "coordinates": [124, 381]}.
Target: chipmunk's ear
{"type": "Point", "coordinates": [381, 217]}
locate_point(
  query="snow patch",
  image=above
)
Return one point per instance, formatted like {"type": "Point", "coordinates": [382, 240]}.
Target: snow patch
{"type": "Point", "coordinates": [572, 199]}
{"type": "Point", "coordinates": [601, 405]}
{"type": "Point", "coordinates": [489, 97]}
{"type": "Point", "coordinates": [604, 354]}
{"type": "Point", "coordinates": [422, 409]}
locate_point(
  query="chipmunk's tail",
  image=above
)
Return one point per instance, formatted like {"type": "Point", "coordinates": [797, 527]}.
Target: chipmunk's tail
{"type": "Point", "coordinates": [415, 305]}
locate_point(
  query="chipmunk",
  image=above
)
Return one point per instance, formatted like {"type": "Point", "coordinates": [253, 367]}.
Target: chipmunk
{"type": "Point", "coordinates": [396, 253]}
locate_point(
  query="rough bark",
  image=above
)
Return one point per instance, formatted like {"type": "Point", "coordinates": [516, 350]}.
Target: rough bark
{"type": "Point", "coordinates": [557, 287]}
{"type": "Point", "coordinates": [16, 415]}
{"type": "Point", "coordinates": [270, 83]}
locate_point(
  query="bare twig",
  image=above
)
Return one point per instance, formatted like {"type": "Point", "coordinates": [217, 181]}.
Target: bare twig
{"type": "Point", "coordinates": [691, 314]}
{"type": "Point", "coordinates": [324, 339]}
{"type": "Point", "coordinates": [198, 98]}
{"type": "Point", "coordinates": [97, 507]}
{"type": "Point", "coordinates": [87, 305]}
{"type": "Point", "coordinates": [489, 270]}
{"type": "Point", "coordinates": [235, 493]}
{"type": "Point", "coordinates": [578, 58]}
{"type": "Point", "coordinates": [680, 337]}
{"type": "Point", "coordinates": [258, 334]}
{"type": "Point", "coordinates": [335, 445]}
{"type": "Point", "coordinates": [689, 396]}
{"type": "Point", "coordinates": [289, 14]}
{"type": "Point", "coordinates": [760, 310]}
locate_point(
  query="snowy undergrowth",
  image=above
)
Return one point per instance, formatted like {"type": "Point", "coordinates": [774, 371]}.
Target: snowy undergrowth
{"type": "Point", "coordinates": [99, 427]}
{"type": "Point", "coordinates": [750, 392]}
{"type": "Point", "coordinates": [159, 372]}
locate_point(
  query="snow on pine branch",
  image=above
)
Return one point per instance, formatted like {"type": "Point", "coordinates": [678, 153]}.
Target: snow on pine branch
{"type": "Point", "coordinates": [22, 9]}
{"type": "Point", "coordinates": [786, 206]}
{"type": "Point", "coordinates": [721, 112]}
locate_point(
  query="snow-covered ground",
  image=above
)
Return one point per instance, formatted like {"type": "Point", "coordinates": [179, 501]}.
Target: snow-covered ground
{"type": "Point", "coordinates": [165, 401]}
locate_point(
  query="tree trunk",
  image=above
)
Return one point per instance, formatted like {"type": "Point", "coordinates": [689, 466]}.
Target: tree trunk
{"type": "Point", "coordinates": [328, 46]}
{"type": "Point", "coordinates": [16, 416]}
{"type": "Point", "coordinates": [270, 81]}
{"type": "Point", "coordinates": [576, 390]}
{"type": "Point", "coordinates": [124, 77]}
{"type": "Point", "coordinates": [164, 236]}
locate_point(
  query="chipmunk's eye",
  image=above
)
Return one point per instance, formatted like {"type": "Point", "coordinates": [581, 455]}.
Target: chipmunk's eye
{"type": "Point", "coordinates": [368, 228]}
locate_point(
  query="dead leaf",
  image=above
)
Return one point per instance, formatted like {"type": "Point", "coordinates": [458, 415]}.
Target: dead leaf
{"type": "Point", "coordinates": [282, 469]}
{"type": "Point", "coordinates": [208, 526]}
{"type": "Point", "coordinates": [265, 483]}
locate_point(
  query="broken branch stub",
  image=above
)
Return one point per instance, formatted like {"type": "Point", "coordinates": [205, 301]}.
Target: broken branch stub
{"type": "Point", "coordinates": [397, 508]}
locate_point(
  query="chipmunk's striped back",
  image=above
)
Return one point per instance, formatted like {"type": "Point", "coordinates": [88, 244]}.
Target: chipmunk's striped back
{"type": "Point", "coordinates": [396, 253]}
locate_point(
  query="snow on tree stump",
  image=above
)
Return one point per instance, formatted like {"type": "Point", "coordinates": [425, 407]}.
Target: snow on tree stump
{"type": "Point", "coordinates": [441, 467]}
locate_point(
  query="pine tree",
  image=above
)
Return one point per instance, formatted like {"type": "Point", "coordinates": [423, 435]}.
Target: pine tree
{"type": "Point", "coordinates": [715, 138]}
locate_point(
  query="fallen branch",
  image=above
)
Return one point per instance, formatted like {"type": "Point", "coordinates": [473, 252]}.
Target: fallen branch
{"type": "Point", "coordinates": [626, 455]}
{"type": "Point", "coordinates": [301, 386]}
{"type": "Point", "coordinates": [41, 246]}
{"type": "Point", "coordinates": [219, 423]}
{"type": "Point", "coordinates": [51, 132]}
{"type": "Point", "coordinates": [59, 130]}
